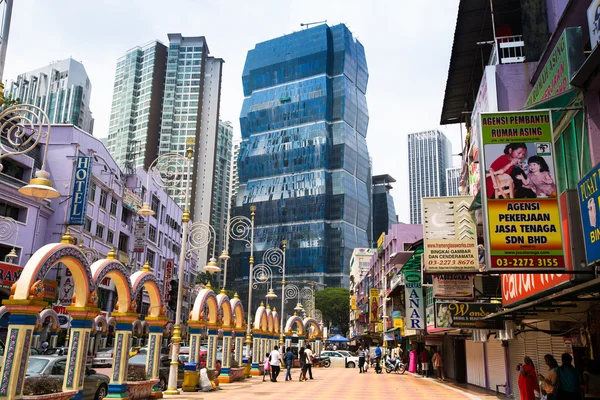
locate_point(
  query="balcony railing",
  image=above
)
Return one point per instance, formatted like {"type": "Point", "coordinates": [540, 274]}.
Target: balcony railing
{"type": "Point", "coordinates": [508, 50]}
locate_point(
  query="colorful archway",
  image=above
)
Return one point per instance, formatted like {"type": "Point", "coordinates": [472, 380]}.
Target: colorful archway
{"type": "Point", "coordinates": [315, 336]}
{"type": "Point", "coordinates": [54, 326]}
{"type": "Point", "coordinates": [113, 269]}
{"type": "Point", "coordinates": [101, 325]}
{"type": "Point", "coordinates": [240, 327]}
{"type": "Point", "coordinates": [205, 313]}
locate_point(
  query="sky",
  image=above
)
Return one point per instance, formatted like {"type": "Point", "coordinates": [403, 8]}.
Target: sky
{"type": "Point", "coordinates": [407, 44]}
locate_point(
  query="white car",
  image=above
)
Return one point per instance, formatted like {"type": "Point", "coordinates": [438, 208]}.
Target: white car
{"type": "Point", "coordinates": [340, 360]}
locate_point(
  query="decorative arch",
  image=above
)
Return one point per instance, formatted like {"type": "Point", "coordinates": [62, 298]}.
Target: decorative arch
{"type": "Point", "coordinates": [145, 328]}
{"type": "Point", "coordinates": [308, 322]}
{"type": "Point", "coordinates": [101, 324]}
{"type": "Point", "coordinates": [30, 284]}
{"type": "Point", "coordinates": [261, 319]}
{"type": "Point", "coordinates": [4, 312]}
{"type": "Point", "coordinates": [112, 321]}
{"type": "Point", "coordinates": [297, 321]}
{"type": "Point", "coordinates": [225, 309]}
{"type": "Point", "coordinates": [206, 297]}
{"type": "Point", "coordinates": [269, 320]}
{"type": "Point", "coordinates": [169, 329]}
{"type": "Point", "coordinates": [238, 313]}
{"type": "Point", "coordinates": [136, 327]}
{"type": "Point", "coordinates": [146, 280]}
{"type": "Point", "coordinates": [114, 270]}
{"type": "Point", "coordinates": [275, 322]}
{"type": "Point", "coordinates": [50, 313]}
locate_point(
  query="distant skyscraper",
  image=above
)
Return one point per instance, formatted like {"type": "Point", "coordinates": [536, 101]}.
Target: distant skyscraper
{"type": "Point", "coordinates": [384, 212]}
{"type": "Point", "coordinates": [62, 89]}
{"type": "Point", "coordinates": [429, 154]}
{"type": "Point", "coordinates": [303, 159]}
{"type": "Point", "coordinates": [453, 181]}
{"type": "Point", "coordinates": [136, 107]}
{"type": "Point", "coordinates": [222, 184]}
{"type": "Point", "coordinates": [235, 176]}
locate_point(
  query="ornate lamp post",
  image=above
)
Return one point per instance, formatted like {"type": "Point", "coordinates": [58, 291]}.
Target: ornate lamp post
{"type": "Point", "coordinates": [8, 229]}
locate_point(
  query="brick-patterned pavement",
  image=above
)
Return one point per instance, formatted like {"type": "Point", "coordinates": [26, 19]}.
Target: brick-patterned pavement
{"type": "Point", "coordinates": [337, 384]}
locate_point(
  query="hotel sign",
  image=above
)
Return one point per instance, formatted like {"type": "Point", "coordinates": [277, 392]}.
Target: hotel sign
{"type": "Point", "coordinates": [81, 182]}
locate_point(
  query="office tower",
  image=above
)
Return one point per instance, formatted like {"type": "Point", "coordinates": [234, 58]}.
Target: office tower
{"type": "Point", "coordinates": [303, 158]}
{"type": "Point", "coordinates": [62, 89]}
{"type": "Point", "coordinates": [222, 185]}
{"type": "Point", "coordinates": [235, 176]}
{"type": "Point", "coordinates": [429, 154]}
{"type": "Point", "coordinates": [384, 212]}
{"type": "Point", "coordinates": [136, 106]}
{"type": "Point", "coordinates": [453, 181]}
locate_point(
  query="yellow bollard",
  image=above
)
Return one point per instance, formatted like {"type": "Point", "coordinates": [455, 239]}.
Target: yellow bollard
{"type": "Point", "coordinates": [191, 377]}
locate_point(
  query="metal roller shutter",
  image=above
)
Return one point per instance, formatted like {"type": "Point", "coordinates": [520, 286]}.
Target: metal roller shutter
{"type": "Point", "coordinates": [448, 357]}
{"type": "Point", "coordinates": [496, 364]}
{"type": "Point", "coordinates": [475, 363]}
{"type": "Point", "coordinates": [516, 350]}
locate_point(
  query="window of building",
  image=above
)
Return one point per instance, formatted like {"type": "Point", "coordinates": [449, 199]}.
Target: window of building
{"type": "Point", "coordinates": [150, 256]}
{"type": "Point", "coordinates": [13, 169]}
{"type": "Point", "coordinates": [123, 239]}
{"type": "Point", "coordinates": [13, 211]}
{"type": "Point", "coordinates": [152, 233]}
{"type": "Point", "coordinates": [88, 225]}
{"type": "Point", "coordinates": [110, 237]}
{"type": "Point", "coordinates": [92, 193]}
{"type": "Point", "coordinates": [99, 231]}
{"type": "Point", "coordinates": [113, 206]}
{"type": "Point", "coordinates": [155, 204]}
{"type": "Point", "coordinates": [103, 197]}
{"type": "Point", "coordinates": [125, 215]}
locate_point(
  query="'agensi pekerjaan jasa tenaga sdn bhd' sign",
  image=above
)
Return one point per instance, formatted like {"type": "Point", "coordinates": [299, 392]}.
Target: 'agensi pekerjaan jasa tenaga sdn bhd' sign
{"type": "Point", "coordinates": [523, 223]}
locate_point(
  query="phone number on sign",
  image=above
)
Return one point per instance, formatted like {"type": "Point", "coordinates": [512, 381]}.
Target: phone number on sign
{"type": "Point", "coordinates": [450, 262]}
{"type": "Point", "coordinates": [528, 262]}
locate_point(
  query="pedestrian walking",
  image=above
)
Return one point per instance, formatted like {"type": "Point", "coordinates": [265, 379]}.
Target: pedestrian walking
{"type": "Point", "coordinates": [302, 359]}
{"type": "Point", "coordinates": [424, 363]}
{"type": "Point", "coordinates": [309, 361]}
{"type": "Point", "coordinates": [570, 379]}
{"type": "Point", "coordinates": [551, 378]}
{"type": "Point", "coordinates": [275, 363]}
{"type": "Point", "coordinates": [361, 360]}
{"type": "Point", "coordinates": [267, 367]}
{"type": "Point", "coordinates": [438, 365]}
{"type": "Point", "coordinates": [528, 382]}
{"type": "Point", "coordinates": [289, 360]}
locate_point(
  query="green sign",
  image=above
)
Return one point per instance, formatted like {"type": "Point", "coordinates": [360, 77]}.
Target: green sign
{"type": "Point", "coordinates": [564, 61]}
{"type": "Point", "coordinates": [412, 276]}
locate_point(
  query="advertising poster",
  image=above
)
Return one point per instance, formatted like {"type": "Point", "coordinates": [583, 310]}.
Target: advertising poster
{"type": "Point", "coordinates": [168, 275]}
{"type": "Point", "coordinates": [517, 288]}
{"type": "Point", "coordinates": [414, 301]}
{"type": "Point", "coordinates": [9, 274]}
{"type": "Point", "coordinates": [397, 320]}
{"type": "Point", "coordinates": [449, 235]}
{"type": "Point", "coordinates": [464, 315]}
{"type": "Point", "coordinates": [456, 286]}
{"type": "Point", "coordinates": [589, 204]}
{"type": "Point", "coordinates": [374, 305]}
{"type": "Point", "coordinates": [593, 18]}
{"type": "Point", "coordinates": [139, 236]}
{"type": "Point", "coordinates": [131, 201]}
{"type": "Point", "coordinates": [523, 219]}
{"type": "Point", "coordinates": [353, 302]}
{"type": "Point", "coordinates": [79, 198]}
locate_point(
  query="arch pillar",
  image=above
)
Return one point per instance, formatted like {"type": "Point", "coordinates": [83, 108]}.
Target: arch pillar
{"type": "Point", "coordinates": [268, 344]}
{"type": "Point", "coordinates": [224, 377]}
{"type": "Point", "coordinates": [36, 339]}
{"type": "Point", "coordinates": [300, 341]}
{"type": "Point", "coordinates": [257, 352]}
{"type": "Point", "coordinates": [213, 338]}
{"type": "Point", "coordinates": [318, 345]}
{"type": "Point", "coordinates": [195, 328]}
{"type": "Point", "coordinates": [21, 323]}
{"type": "Point", "coordinates": [103, 339]}
{"type": "Point", "coordinates": [81, 330]}
{"type": "Point", "coordinates": [239, 345]}
{"type": "Point", "coordinates": [155, 332]}
{"type": "Point", "coordinates": [288, 340]}
{"type": "Point", "coordinates": [54, 337]}
{"type": "Point", "coordinates": [117, 388]}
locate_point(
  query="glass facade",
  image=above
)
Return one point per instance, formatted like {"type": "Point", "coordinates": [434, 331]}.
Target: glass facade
{"type": "Point", "coordinates": [384, 211]}
{"type": "Point", "coordinates": [303, 160]}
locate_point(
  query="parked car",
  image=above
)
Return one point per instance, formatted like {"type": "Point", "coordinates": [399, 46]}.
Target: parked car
{"type": "Point", "coordinates": [144, 350]}
{"type": "Point", "coordinates": [32, 352]}
{"type": "Point", "coordinates": [103, 357]}
{"type": "Point", "coordinates": [345, 353]}
{"type": "Point", "coordinates": [95, 386]}
{"type": "Point", "coordinates": [57, 351]}
{"type": "Point", "coordinates": [340, 360]}
{"type": "Point", "coordinates": [163, 370]}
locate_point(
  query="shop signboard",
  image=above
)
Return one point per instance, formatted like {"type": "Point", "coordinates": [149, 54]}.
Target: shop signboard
{"type": "Point", "coordinates": [131, 201]}
{"type": "Point", "coordinates": [374, 305]}
{"type": "Point", "coordinates": [464, 315]}
{"type": "Point", "coordinates": [449, 235]}
{"type": "Point", "coordinates": [9, 274]}
{"type": "Point", "coordinates": [430, 318]}
{"type": "Point", "coordinates": [454, 286]}
{"type": "Point", "coordinates": [50, 290]}
{"type": "Point", "coordinates": [353, 302]}
{"type": "Point", "coordinates": [397, 320]}
{"type": "Point", "coordinates": [380, 243]}
{"type": "Point", "coordinates": [139, 236]}
{"type": "Point", "coordinates": [593, 18]}
{"type": "Point", "coordinates": [413, 298]}
{"type": "Point", "coordinates": [589, 204]}
{"type": "Point", "coordinates": [563, 62]}
{"type": "Point", "coordinates": [523, 223]}
{"type": "Point", "coordinates": [169, 263]}
{"type": "Point", "coordinates": [517, 288]}
{"type": "Point", "coordinates": [79, 198]}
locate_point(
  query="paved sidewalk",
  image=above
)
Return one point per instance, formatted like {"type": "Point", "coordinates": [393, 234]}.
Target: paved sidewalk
{"type": "Point", "coordinates": [339, 384]}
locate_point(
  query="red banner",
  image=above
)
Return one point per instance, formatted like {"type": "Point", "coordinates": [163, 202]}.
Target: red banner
{"type": "Point", "coordinates": [518, 287]}
{"type": "Point", "coordinates": [9, 274]}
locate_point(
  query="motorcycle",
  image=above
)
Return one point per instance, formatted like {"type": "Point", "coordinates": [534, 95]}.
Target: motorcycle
{"type": "Point", "coordinates": [394, 365]}
{"type": "Point", "coordinates": [376, 364]}
{"type": "Point", "coordinates": [324, 362]}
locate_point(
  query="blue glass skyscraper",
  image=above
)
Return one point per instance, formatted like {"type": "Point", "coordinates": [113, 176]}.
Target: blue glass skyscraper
{"type": "Point", "coordinates": [303, 159]}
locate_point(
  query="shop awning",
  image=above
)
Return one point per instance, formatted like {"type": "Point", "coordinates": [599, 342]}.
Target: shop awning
{"type": "Point", "coordinates": [564, 304]}
{"type": "Point", "coordinates": [587, 69]}
{"type": "Point", "coordinates": [414, 263]}
{"type": "Point", "coordinates": [400, 257]}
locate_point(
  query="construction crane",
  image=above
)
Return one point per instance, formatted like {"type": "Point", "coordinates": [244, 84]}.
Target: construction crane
{"type": "Point", "coordinates": [308, 24]}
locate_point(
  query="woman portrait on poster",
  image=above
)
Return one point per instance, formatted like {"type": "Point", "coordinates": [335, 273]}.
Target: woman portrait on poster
{"type": "Point", "coordinates": [501, 178]}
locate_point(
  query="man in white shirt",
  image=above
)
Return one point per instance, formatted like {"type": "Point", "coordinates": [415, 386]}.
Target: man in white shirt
{"type": "Point", "coordinates": [308, 354]}
{"type": "Point", "coordinates": [275, 360]}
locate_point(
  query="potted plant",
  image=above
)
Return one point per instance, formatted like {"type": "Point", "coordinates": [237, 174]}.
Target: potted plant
{"type": "Point", "coordinates": [236, 372]}
{"type": "Point", "coordinates": [45, 388]}
{"type": "Point", "coordinates": [138, 384]}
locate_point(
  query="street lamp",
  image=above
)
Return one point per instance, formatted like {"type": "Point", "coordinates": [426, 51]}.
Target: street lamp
{"type": "Point", "coordinates": [8, 229]}
{"type": "Point", "coordinates": [23, 126]}
{"type": "Point", "coordinates": [275, 258]}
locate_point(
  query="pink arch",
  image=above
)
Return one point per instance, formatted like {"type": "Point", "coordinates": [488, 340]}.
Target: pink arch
{"type": "Point", "coordinates": [294, 320]}
{"type": "Point", "coordinates": [114, 270]}
{"type": "Point", "coordinates": [275, 321]}
{"type": "Point", "coordinates": [49, 313]}
{"type": "Point", "coordinates": [260, 319]}
{"type": "Point", "coordinates": [101, 322]}
{"type": "Point", "coordinates": [225, 309]}
{"type": "Point", "coordinates": [206, 297]}
{"type": "Point", "coordinates": [269, 321]}
{"type": "Point", "coordinates": [238, 312]}
{"type": "Point", "coordinates": [146, 280]}
{"type": "Point", "coordinates": [308, 322]}
{"type": "Point", "coordinates": [44, 259]}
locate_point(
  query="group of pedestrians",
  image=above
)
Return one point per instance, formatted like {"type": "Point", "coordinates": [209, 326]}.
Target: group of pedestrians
{"type": "Point", "coordinates": [275, 359]}
{"type": "Point", "coordinates": [564, 382]}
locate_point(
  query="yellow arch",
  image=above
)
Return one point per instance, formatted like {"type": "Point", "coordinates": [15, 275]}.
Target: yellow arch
{"type": "Point", "coordinates": [225, 309]}
{"type": "Point", "coordinates": [113, 269]}
{"type": "Point", "coordinates": [297, 321]}
{"type": "Point", "coordinates": [206, 297]}
{"type": "Point", "coordinates": [238, 312]}
{"type": "Point", "coordinates": [146, 280]}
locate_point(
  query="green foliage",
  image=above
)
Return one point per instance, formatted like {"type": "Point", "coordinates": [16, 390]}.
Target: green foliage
{"type": "Point", "coordinates": [205, 277]}
{"type": "Point", "coordinates": [8, 101]}
{"type": "Point", "coordinates": [334, 303]}
{"type": "Point", "coordinates": [229, 293]}
{"type": "Point", "coordinates": [39, 386]}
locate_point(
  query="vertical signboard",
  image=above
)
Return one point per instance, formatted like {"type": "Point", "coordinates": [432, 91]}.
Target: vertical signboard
{"type": "Point", "coordinates": [168, 275]}
{"type": "Point", "coordinates": [589, 203]}
{"type": "Point", "coordinates": [413, 298]}
{"type": "Point", "coordinates": [523, 225]}
{"type": "Point", "coordinates": [79, 198]}
{"type": "Point", "coordinates": [139, 236]}
{"type": "Point", "coordinates": [374, 305]}
{"type": "Point", "coordinates": [449, 235]}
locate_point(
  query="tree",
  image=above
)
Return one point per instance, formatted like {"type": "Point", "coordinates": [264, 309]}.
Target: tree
{"type": "Point", "coordinates": [334, 303]}
{"type": "Point", "coordinates": [205, 277]}
{"type": "Point", "coordinates": [8, 101]}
